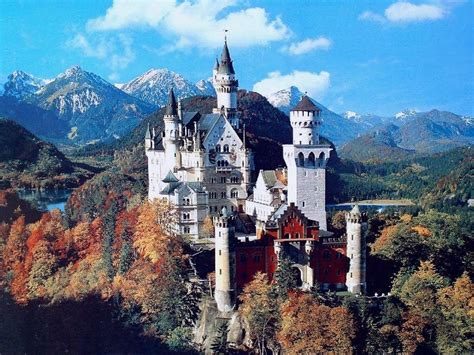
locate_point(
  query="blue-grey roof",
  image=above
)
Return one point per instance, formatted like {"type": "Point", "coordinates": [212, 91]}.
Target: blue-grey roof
{"type": "Point", "coordinates": [207, 121]}
{"type": "Point", "coordinates": [170, 177]}
{"type": "Point", "coordinates": [169, 188]}
{"type": "Point", "coordinates": [279, 212]}
{"type": "Point", "coordinates": [190, 117]}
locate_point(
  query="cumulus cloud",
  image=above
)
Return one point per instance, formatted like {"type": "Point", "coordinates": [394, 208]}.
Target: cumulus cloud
{"type": "Point", "coordinates": [313, 83]}
{"type": "Point", "coordinates": [308, 45]}
{"type": "Point", "coordinates": [405, 12]}
{"type": "Point", "coordinates": [197, 23]}
{"type": "Point", "coordinates": [116, 51]}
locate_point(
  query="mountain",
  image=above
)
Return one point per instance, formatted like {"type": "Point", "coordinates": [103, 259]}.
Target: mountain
{"type": "Point", "coordinates": [92, 108]}
{"type": "Point", "coordinates": [21, 85]}
{"type": "Point", "coordinates": [421, 133]}
{"type": "Point", "coordinates": [405, 115]}
{"type": "Point", "coordinates": [153, 87]}
{"type": "Point", "coordinates": [41, 122]}
{"type": "Point", "coordinates": [335, 127]}
{"type": "Point", "coordinates": [377, 145]}
{"type": "Point", "coordinates": [28, 162]}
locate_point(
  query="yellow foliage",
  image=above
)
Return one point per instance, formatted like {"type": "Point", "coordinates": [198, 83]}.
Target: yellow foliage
{"type": "Point", "coordinates": [406, 217]}
{"type": "Point", "coordinates": [423, 231]}
{"type": "Point", "coordinates": [385, 238]}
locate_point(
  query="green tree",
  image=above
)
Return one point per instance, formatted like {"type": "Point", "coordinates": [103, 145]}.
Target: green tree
{"type": "Point", "coordinates": [285, 279]}
{"type": "Point", "coordinates": [126, 256]}
{"type": "Point", "coordinates": [219, 344]}
{"type": "Point", "coordinates": [108, 238]}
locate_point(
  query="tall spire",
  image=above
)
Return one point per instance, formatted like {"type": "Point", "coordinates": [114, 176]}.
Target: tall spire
{"type": "Point", "coordinates": [226, 66]}
{"type": "Point", "coordinates": [216, 66]}
{"type": "Point", "coordinates": [171, 107]}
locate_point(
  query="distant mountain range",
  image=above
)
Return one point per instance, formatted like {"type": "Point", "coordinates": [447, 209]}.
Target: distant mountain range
{"type": "Point", "coordinates": [79, 107]}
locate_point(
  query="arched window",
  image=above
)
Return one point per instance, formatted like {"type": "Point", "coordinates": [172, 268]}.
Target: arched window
{"type": "Point", "coordinates": [226, 148]}
{"type": "Point", "coordinates": [300, 159]}
{"type": "Point", "coordinates": [234, 193]}
{"type": "Point", "coordinates": [321, 159]}
{"type": "Point", "coordinates": [218, 163]}
{"type": "Point", "coordinates": [218, 148]}
{"type": "Point", "coordinates": [311, 160]}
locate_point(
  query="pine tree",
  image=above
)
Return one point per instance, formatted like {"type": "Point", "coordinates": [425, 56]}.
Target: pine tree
{"type": "Point", "coordinates": [219, 344]}
{"type": "Point", "coordinates": [126, 251]}
{"type": "Point", "coordinates": [285, 278]}
{"type": "Point", "coordinates": [109, 236]}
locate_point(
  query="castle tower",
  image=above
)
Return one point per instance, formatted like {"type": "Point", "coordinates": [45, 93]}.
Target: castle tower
{"type": "Point", "coordinates": [225, 292]}
{"type": "Point", "coordinates": [355, 278]}
{"type": "Point", "coordinates": [171, 129]}
{"type": "Point", "coordinates": [306, 161]}
{"type": "Point", "coordinates": [226, 86]}
{"type": "Point", "coordinates": [148, 138]}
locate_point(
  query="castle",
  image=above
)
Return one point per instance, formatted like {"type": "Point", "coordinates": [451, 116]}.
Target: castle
{"type": "Point", "coordinates": [202, 165]}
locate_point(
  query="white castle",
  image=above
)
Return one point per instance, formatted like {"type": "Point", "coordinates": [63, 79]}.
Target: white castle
{"type": "Point", "coordinates": [202, 165]}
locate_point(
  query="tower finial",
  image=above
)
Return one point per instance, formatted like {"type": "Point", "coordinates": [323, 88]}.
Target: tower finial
{"type": "Point", "coordinates": [225, 35]}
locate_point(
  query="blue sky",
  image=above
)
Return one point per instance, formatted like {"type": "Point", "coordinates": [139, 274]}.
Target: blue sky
{"type": "Point", "coordinates": [365, 56]}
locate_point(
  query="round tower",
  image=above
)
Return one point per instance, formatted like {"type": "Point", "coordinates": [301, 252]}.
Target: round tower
{"type": "Point", "coordinates": [148, 138]}
{"type": "Point", "coordinates": [171, 129]}
{"type": "Point", "coordinates": [355, 228]}
{"type": "Point", "coordinates": [305, 119]}
{"type": "Point", "coordinates": [225, 292]}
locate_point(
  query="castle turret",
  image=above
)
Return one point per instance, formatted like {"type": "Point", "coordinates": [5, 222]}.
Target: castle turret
{"type": "Point", "coordinates": [148, 138]}
{"type": "Point", "coordinates": [356, 245]}
{"type": "Point", "coordinates": [171, 129]}
{"type": "Point", "coordinates": [226, 86]}
{"type": "Point", "coordinates": [225, 292]}
{"type": "Point", "coordinates": [306, 160]}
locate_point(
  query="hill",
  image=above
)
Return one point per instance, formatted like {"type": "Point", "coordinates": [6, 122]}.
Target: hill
{"type": "Point", "coordinates": [27, 161]}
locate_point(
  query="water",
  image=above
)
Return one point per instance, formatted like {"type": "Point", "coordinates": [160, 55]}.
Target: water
{"type": "Point", "coordinates": [46, 200]}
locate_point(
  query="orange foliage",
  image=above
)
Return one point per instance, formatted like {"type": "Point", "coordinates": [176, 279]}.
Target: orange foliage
{"type": "Point", "coordinates": [406, 218]}
{"type": "Point", "coordinates": [423, 231]}
{"type": "Point", "coordinates": [384, 239]}
{"type": "Point", "coordinates": [310, 328]}
{"type": "Point", "coordinates": [411, 334]}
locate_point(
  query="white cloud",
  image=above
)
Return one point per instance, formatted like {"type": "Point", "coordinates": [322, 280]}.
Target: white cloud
{"type": "Point", "coordinates": [408, 12]}
{"type": "Point", "coordinates": [116, 51]}
{"type": "Point", "coordinates": [197, 23]}
{"type": "Point", "coordinates": [308, 45]}
{"type": "Point", "coordinates": [315, 84]}
{"type": "Point", "coordinates": [128, 13]}
{"type": "Point", "coordinates": [405, 12]}
{"type": "Point", "coordinates": [372, 16]}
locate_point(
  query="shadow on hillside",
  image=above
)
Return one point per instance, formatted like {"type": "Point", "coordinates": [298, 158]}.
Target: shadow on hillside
{"type": "Point", "coordinates": [85, 327]}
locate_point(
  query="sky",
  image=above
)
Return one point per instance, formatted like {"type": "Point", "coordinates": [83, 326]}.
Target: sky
{"type": "Point", "coordinates": [376, 57]}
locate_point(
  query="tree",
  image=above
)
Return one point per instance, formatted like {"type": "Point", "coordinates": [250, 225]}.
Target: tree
{"type": "Point", "coordinates": [260, 309]}
{"type": "Point", "coordinates": [285, 279]}
{"type": "Point", "coordinates": [456, 302]}
{"type": "Point", "coordinates": [207, 227]}
{"type": "Point", "coordinates": [308, 327]}
{"type": "Point", "coordinates": [126, 256]}
{"type": "Point", "coordinates": [108, 238]}
{"type": "Point", "coordinates": [43, 267]}
{"type": "Point", "coordinates": [219, 344]}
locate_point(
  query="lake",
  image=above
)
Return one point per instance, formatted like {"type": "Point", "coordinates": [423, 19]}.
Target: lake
{"type": "Point", "coordinates": [46, 200]}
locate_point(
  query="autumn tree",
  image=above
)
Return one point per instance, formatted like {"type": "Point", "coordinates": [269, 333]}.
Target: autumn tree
{"type": "Point", "coordinates": [43, 267]}
{"type": "Point", "coordinates": [260, 309]}
{"type": "Point", "coordinates": [308, 327]}
{"type": "Point", "coordinates": [456, 303]}
{"type": "Point", "coordinates": [208, 227]}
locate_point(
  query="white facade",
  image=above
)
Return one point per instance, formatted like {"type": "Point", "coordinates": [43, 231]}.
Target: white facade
{"type": "Point", "coordinates": [356, 251]}
{"type": "Point", "coordinates": [208, 152]}
{"type": "Point", "coordinates": [306, 161]}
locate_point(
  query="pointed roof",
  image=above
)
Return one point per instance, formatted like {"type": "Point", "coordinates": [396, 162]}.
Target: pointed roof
{"type": "Point", "coordinates": [226, 66]}
{"type": "Point", "coordinates": [355, 209]}
{"type": "Point", "coordinates": [171, 106]}
{"type": "Point", "coordinates": [305, 104]}
{"type": "Point", "coordinates": [216, 66]}
{"type": "Point", "coordinates": [170, 177]}
{"type": "Point", "coordinates": [148, 132]}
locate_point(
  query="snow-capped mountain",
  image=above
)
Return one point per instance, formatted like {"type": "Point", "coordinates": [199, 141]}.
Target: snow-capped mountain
{"type": "Point", "coordinates": [351, 115]}
{"type": "Point", "coordinates": [206, 88]}
{"type": "Point", "coordinates": [153, 86]}
{"type": "Point", "coordinates": [285, 99]}
{"type": "Point", "coordinates": [22, 85]}
{"type": "Point", "coordinates": [405, 114]}
{"type": "Point", "coordinates": [93, 108]}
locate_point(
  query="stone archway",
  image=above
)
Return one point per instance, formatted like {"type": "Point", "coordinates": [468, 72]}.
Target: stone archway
{"type": "Point", "coordinates": [298, 274]}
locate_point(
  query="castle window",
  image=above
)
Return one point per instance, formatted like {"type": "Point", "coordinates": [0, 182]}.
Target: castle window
{"type": "Point", "coordinates": [300, 158]}
{"type": "Point", "coordinates": [297, 235]}
{"type": "Point", "coordinates": [223, 180]}
{"type": "Point", "coordinates": [351, 274]}
{"type": "Point", "coordinates": [220, 271]}
{"type": "Point", "coordinates": [218, 148]}
{"type": "Point", "coordinates": [234, 193]}
{"type": "Point", "coordinates": [311, 160]}
{"type": "Point", "coordinates": [223, 194]}
{"type": "Point", "coordinates": [303, 204]}
{"type": "Point", "coordinates": [338, 255]}
{"type": "Point", "coordinates": [338, 272]}
{"type": "Point", "coordinates": [226, 148]}
{"type": "Point", "coordinates": [220, 252]}
{"type": "Point", "coordinates": [256, 259]}
{"type": "Point", "coordinates": [352, 237]}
